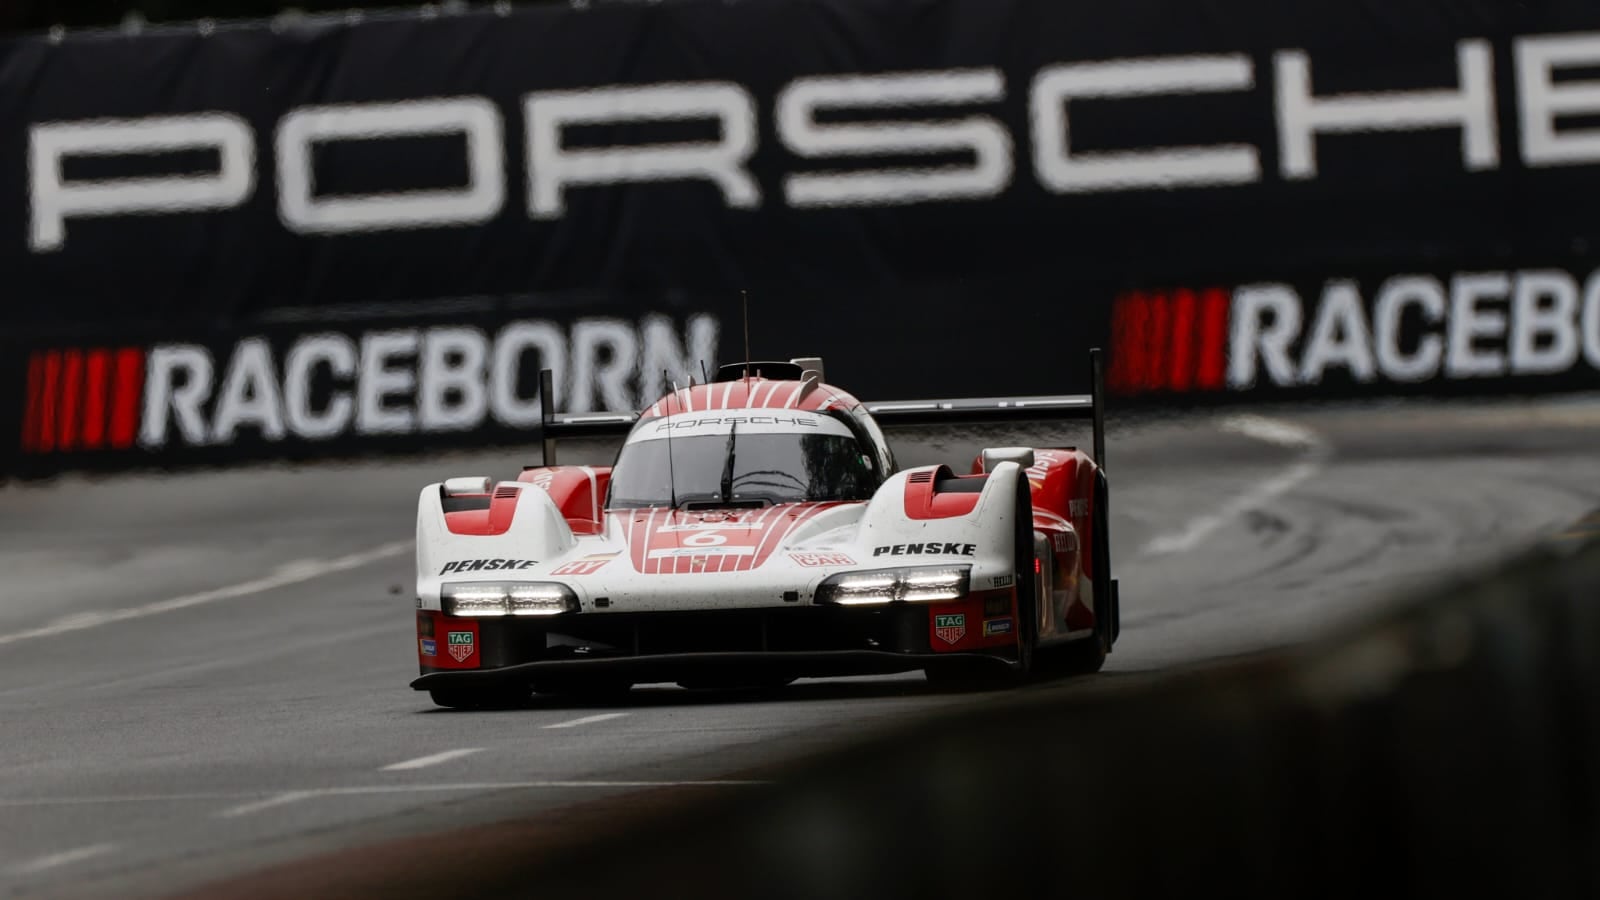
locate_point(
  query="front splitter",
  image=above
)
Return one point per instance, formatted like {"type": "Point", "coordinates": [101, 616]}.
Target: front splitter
{"type": "Point", "coordinates": [679, 666]}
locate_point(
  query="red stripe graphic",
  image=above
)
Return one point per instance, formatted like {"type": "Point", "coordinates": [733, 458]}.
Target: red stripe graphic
{"type": "Point", "coordinates": [1156, 342]}
{"type": "Point", "coordinates": [1128, 327]}
{"type": "Point", "coordinates": [1180, 361]}
{"type": "Point", "coordinates": [30, 419]}
{"type": "Point", "coordinates": [1213, 338]}
{"type": "Point", "coordinates": [48, 400]}
{"type": "Point", "coordinates": [1169, 342]}
{"type": "Point", "coordinates": [96, 369]}
{"type": "Point", "coordinates": [71, 387]}
{"type": "Point", "coordinates": [127, 386]}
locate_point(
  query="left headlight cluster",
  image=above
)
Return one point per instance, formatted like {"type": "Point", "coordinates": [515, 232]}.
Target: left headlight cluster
{"type": "Point", "coordinates": [480, 598]}
{"type": "Point", "coordinates": [919, 584]}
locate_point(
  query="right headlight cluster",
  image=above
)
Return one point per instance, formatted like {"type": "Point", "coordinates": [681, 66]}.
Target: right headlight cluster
{"type": "Point", "coordinates": [918, 584]}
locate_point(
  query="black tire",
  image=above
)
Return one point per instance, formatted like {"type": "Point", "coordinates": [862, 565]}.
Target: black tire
{"type": "Point", "coordinates": [1107, 609]}
{"type": "Point", "coordinates": [1027, 588]}
{"type": "Point", "coordinates": [480, 698]}
{"type": "Point", "coordinates": [1081, 657]}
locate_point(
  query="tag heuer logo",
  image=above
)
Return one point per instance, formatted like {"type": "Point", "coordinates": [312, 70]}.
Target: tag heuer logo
{"type": "Point", "coordinates": [949, 628]}
{"type": "Point", "coordinates": [460, 645]}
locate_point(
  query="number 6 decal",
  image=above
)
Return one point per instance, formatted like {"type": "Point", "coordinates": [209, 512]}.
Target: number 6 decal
{"type": "Point", "coordinates": [706, 539]}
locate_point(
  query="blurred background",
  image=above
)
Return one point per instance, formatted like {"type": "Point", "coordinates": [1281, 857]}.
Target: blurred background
{"type": "Point", "coordinates": [268, 270]}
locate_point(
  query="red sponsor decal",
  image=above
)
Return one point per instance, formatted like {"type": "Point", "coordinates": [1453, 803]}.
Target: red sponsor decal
{"type": "Point", "coordinates": [586, 566]}
{"type": "Point", "coordinates": [454, 641]}
{"type": "Point", "coordinates": [950, 627]}
{"type": "Point", "coordinates": [822, 559]}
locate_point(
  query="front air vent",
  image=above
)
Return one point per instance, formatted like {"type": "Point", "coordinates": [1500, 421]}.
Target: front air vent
{"type": "Point", "coordinates": [505, 492]}
{"type": "Point", "coordinates": [920, 477]}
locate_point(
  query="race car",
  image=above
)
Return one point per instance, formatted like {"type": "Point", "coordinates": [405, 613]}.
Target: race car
{"type": "Point", "coordinates": [754, 529]}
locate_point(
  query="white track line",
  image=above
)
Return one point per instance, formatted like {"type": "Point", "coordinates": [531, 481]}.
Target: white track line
{"type": "Point", "coordinates": [67, 857]}
{"type": "Point", "coordinates": [365, 790]}
{"type": "Point", "coordinates": [1272, 431]}
{"type": "Point", "coordinates": [283, 799]}
{"type": "Point", "coordinates": [285, 575]}
{"type": "Point", "coordinates": [587, 719]}
{"type": "Point", "coordinates": [423, 762]}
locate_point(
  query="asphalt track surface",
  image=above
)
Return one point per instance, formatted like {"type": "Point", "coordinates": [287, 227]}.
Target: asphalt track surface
{"type": "Point", "coordinates": [208, 674]}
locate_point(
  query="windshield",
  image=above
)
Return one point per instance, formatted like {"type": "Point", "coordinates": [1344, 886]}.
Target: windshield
{"type": "Point", "coordinates": [770, 461]}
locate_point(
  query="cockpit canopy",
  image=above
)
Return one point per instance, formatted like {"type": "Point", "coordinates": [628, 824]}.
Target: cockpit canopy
{"type": "Point", "coordinates": [724, 457]}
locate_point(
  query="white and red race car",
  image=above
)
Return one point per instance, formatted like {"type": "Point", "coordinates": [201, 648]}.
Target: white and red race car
{"type": "Point", "coordinates": [755, 529]}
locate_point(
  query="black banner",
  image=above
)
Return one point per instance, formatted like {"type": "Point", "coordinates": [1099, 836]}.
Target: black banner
{"type": "Point", "coordinates": [941, 198]}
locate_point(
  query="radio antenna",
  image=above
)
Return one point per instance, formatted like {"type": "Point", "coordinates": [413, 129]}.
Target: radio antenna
{"type": "Point", "coordinates": [672, 479]}
{"type": "Point", "coordinates": [704, 374]}
{"type": "Point", "coordinates": [745, 297]}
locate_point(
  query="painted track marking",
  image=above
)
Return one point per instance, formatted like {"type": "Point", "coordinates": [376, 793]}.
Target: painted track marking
{"type": "Point", "coordinates": [1272, 431]}
{"type": "Point", "coordinates": [423, 762]}
{"type": "Point", "coordinates": [287, 574]}
{"type": "Point", "coordinates": [64, 858]}
{"type": "Point", "coordinates": [587, 719]}
{"type": "Point", "coordinates": [288, 797]}
{"type": "Point", "coordinates": [245, 809]}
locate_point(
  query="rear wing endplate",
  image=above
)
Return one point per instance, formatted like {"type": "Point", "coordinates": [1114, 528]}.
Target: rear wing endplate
{"type": "Point", "coordinates": [975, 410]}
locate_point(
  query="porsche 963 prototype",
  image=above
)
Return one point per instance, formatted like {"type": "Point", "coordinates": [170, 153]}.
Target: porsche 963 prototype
{"type": "Point", "coordinates": [755, 529]}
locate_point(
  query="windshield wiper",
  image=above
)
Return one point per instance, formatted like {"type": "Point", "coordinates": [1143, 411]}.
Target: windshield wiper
{"type": "Point", "coordinates": [727, 465]}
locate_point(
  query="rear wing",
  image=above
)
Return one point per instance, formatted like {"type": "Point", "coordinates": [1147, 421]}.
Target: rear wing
{"type": "Point", "coordinates": [982, 410]}
{"type": "Point", "coordinates": [966, 410]}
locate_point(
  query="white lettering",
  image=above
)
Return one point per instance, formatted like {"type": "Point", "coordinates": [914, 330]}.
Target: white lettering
{"type": "Point", "coordinates": [165, 389]}
{"type": "Point", "coordinates": [1590, 320]}
{"type": "Point", "coordinates": [53, 199]}
{"type": "Point", "coordinates": [663, 350]}
{"type": "Point", "coordinates": [552, 168]}
{"type": "Point", "coordinates": [1393, 297]}
{"type": "Point", "coordinates": [1060, 170]}
{"type": "Point", "coordinates": [1544, 305]}
{"type": "Point", "coordinates": [339, 352]}
{"type": "Point", "coordinates": [1542, 99]}
{"type": "Point", "coordinates": [439, 377]}
{"type": "Point", "coordinates": [1339, 337]}
{"type": "Point", "coordinates": [1472, 107]}
{"type": "Point", "coordinates": [510, 346]}
{"type": "Point", "coordinates": [982, 136]}
{"type": "Point", "coordinates": [604, 353]}
{"type": "Point", "coordinates": [1250, 337]}
{"type": "Point", "coordinates": [1468, 322]}
{"type": "Point", "coordinates": [378, 381]}
{"type": "Point", "coordinates": [249, 394]}
{"type": "Point", "coordinates": [476, 118]}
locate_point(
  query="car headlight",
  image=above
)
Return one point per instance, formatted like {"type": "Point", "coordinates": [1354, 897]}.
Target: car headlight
{"type": "Point", "coordinates": [478, 598]}
{"type": "Point", "coordinates": [920, 584]}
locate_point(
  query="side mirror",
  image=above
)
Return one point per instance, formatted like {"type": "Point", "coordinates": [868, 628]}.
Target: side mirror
{"type": "Point", "coordinates": [1022, 456]}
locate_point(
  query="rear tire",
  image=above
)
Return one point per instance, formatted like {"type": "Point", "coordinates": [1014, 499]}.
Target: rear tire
{"type": "Point", "coordinates": [1082, 657]}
